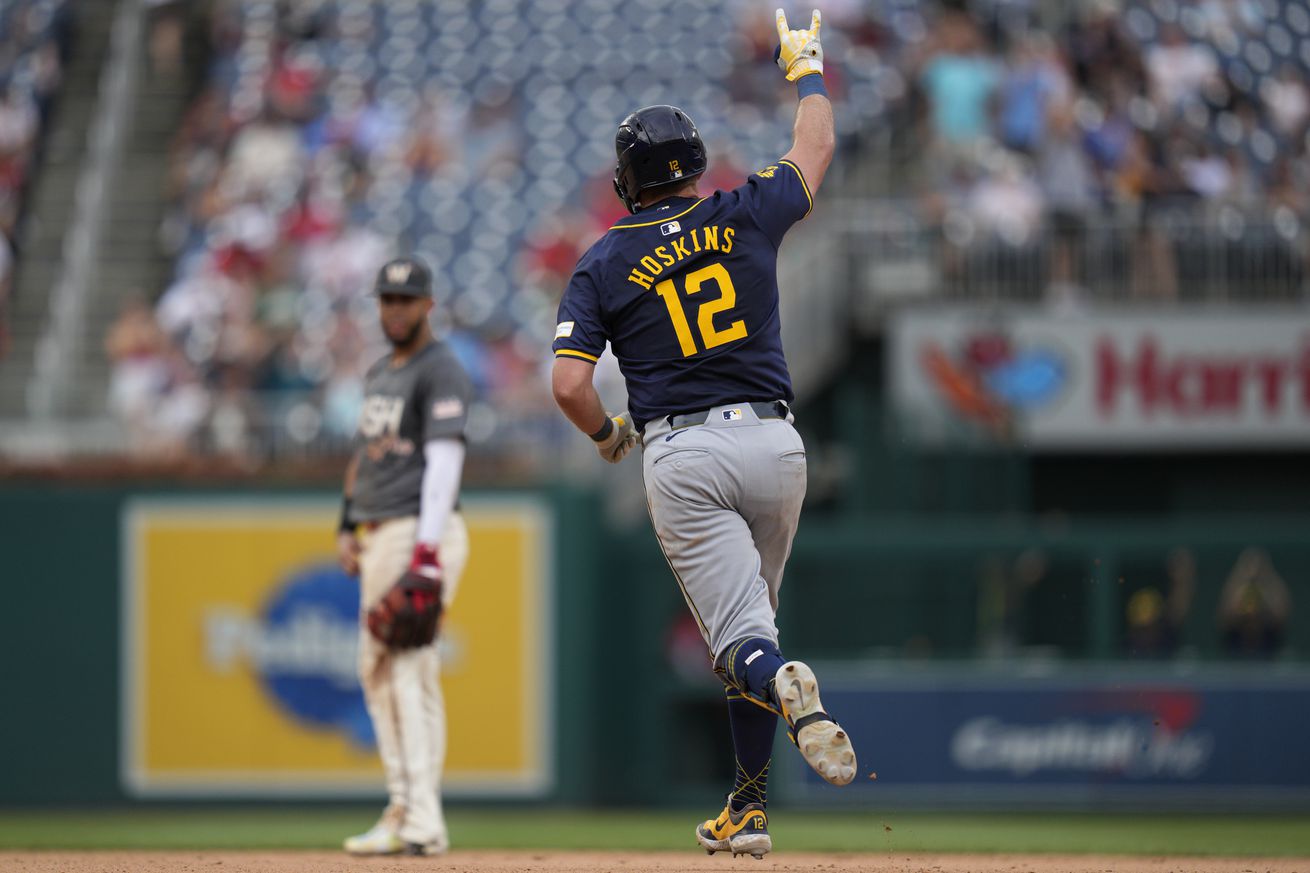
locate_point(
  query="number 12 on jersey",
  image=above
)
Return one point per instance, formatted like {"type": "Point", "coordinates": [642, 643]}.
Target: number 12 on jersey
{"type": "Point", "coordinates": [710, 336]}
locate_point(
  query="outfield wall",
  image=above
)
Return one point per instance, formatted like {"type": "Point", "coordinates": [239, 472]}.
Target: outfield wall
{"type": "Point", "coordinates": [203, 652]}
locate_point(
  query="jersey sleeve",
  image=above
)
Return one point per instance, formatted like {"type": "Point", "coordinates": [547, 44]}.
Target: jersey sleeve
{"type": "Point", "coordinates": [580, 331]}
{"type": "Point", "coordinates": [778, 197]}
{"type": "Point", "coordinates": [446, 399]}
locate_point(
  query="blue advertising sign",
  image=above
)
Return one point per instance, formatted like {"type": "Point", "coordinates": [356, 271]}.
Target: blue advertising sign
{"type": "Point", "coordinates": [955, 739]}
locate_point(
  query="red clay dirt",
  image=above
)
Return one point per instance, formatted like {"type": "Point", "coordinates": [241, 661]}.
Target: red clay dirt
{"type": "Point", "coordinates": [629, 862]}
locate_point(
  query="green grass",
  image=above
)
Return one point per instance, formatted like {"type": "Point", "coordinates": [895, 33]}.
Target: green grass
{"type": "Point", "coordinates": [797, 830]}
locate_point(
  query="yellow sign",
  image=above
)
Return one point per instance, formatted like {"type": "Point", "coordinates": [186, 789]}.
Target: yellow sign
{"type": "Point", "coordinates": [239, 648]}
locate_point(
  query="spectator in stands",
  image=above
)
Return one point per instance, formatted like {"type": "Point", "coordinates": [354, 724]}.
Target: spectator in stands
{"type": "Point", "coordinates": [264, 154]}
{"type": "Point", "coordinates": [232, 418]}
{"type": "Point", "coordinates": [1254, 607]}
{"type": "Point", "coordinates": [1155, 621]}
{"type": "Point", "coordinates": [1205, 172]}
{"type": "Point", "coordinates": [959, 78]}
{"type": "Point", "coordinates": [1006, 203]}
{"type": "Point", "coordinates": [1034, 81]}
{"type": "Point", "coordinates": [34, 41]}
{"type": "Point", "coordinates": [1064, 172]}
{"type": "Point", "coordinates": [1288, 100]}
{"type": "Point", "coordinates": [153, 389]}
{"type": "Point", "coordinates": [1101, 55]}
{"type": "Point", "coordinates": [1149, 178]}
{"type": "Point", "coordinates": [1003, 588]}
{"type": "Point", "coordinates": [167, 27]}
{"type": "Point", "coordinates": [19, 123]}
{"type": "Point", "coordinates": [1179, 69]}
{"type": "Point", "coordinates": [6, 283]}
{"type": "Point", "coordinates": [1289, 186]}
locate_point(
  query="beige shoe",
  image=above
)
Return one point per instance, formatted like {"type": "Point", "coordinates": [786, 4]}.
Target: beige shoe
{"type": "Point", "coordinates": [381, 839]}
{"type": "Point", "coordinates": [822, 742]}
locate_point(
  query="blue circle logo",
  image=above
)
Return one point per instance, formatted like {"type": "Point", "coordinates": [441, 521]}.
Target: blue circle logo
{"type": "Point", "coordinates": [306, 651]}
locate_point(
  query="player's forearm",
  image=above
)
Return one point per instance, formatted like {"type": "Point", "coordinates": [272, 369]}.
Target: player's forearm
{"type": "Point", "coordinates": [576, 396]}
{"type": "Point", "coordinates": [814, 138]}
{"type": "Point", "coordinates": [444, 460]}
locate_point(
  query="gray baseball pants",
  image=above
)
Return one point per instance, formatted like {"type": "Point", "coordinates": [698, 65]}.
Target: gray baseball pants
{"type": "Point", "coordinates": [725, 498]}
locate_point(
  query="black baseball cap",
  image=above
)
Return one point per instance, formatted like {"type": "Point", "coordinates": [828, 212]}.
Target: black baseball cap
{"type": "Point", "coordinates": [409, 276]}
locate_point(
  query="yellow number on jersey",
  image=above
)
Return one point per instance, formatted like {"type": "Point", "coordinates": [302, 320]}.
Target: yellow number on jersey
{"type": "Point", "coordinates": [710, 336]}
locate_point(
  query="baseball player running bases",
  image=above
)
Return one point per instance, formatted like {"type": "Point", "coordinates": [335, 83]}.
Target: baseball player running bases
{"type": "Point", "coordinates": [402, 534]}
{"type": "Point", "coordinates": [684, 290]}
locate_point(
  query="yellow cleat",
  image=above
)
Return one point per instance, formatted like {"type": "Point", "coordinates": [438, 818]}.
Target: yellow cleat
{"type": "Point", "coordinates": [743, 833]}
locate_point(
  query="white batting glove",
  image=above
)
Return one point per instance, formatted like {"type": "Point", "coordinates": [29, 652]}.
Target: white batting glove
{"type": "Point", "coordinates": [621, 439]}
{"type": "Point", "coordinates": [799, 51]}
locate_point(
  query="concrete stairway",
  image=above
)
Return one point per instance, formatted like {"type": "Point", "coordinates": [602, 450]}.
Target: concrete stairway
{"type": "Point", "coordinates": [130, 260]}
{"type": "Point", "coordinates": [51, 199]}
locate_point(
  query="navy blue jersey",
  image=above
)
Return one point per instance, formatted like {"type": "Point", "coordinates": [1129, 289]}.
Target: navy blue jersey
{"type": "Point", "coordinates": [686, 294]}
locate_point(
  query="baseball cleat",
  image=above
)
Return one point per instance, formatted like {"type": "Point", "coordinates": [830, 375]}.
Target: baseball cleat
{"type": "Point", "coordinates": [822, 742]}
{"type": "Point", "coordinates": [381, 839]}
{"type": "Point", "coordinates": [745, 832]}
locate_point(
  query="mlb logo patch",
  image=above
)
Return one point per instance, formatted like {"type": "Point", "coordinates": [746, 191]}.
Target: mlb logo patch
{"type": "Point", "coordinates": [669, 228]}
{"type": "Point", "coordinates": [732, 415]}
{"type": "Point", "coordinates": [448, 407]}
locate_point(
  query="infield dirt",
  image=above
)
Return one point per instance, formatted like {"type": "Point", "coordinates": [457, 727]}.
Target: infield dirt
{"type": "Point", "coordinates": [634, 862]}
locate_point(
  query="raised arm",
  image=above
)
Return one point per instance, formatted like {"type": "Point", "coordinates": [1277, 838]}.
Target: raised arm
{"type": "Point", "coordinates": [800, 55]}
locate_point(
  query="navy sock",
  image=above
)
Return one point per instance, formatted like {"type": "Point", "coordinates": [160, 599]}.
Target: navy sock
{"type": "Point", "coordinates": [753, 728]}
{"type": "Point", "coordinates": [750, 664]}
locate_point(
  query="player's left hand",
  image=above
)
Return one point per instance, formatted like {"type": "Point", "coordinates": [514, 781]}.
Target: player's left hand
{"type": "Point", "coordinates": [409, 613]}
{"type": "Point", "coordinates": [348, 550]}
{"type": "Point", "coordinates": [799, 51]}
{"type": "Point", "coordinates": [622, 438]}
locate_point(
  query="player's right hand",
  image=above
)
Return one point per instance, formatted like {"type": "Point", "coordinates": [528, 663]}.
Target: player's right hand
{"type": "Point", "coordinates": [620, 441]}
{"type": "Point", "coordinates": [348, 549]}
{"type": "Point", "coordinates": [799, 51]}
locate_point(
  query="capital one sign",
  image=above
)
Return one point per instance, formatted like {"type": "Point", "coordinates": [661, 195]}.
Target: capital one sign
{"type": "Point", "coordinates": [1166, 379]}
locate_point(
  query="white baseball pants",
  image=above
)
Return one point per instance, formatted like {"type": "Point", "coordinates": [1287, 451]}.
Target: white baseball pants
{"type": "Point", "coordinates": [402, 688]}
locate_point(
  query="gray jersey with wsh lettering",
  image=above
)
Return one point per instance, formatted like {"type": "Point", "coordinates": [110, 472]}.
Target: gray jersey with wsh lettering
{"type": "Point", "coordinates": [425, 398]}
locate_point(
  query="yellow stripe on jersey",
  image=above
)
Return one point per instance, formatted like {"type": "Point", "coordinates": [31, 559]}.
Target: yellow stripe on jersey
{"type": "Point", "coordinates": [804, 185]}
{"type": "Point", "coordinates": [664, 219]}
{"type": "Point", "coordinates": [574, 353]}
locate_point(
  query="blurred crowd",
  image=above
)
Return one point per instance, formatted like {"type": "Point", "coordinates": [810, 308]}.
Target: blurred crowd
{"type": "Point", "coordinates": [332, 133]}
{"type": "Point", "coordinates": [35, 39]}
{"type": "Point", "coordinates": [1156, 118]}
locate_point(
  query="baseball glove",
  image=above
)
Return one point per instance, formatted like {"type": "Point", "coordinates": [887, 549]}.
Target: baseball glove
{"type": "Point", "coordinates": [408, 614]}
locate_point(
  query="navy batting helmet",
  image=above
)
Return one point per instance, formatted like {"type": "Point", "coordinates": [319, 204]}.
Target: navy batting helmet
{"type": "Point", "coordinates": [655, 146]}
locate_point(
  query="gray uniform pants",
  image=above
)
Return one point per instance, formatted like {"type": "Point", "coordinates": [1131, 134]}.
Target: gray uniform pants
{"type": "Point", "coordinates": [725, 498]}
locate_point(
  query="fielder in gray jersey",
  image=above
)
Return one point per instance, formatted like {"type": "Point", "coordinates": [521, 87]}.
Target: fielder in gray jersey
{"type": "Point", "coordinates": [400, 515]}
{"type": "Point", "coordinates": [684, 292]}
